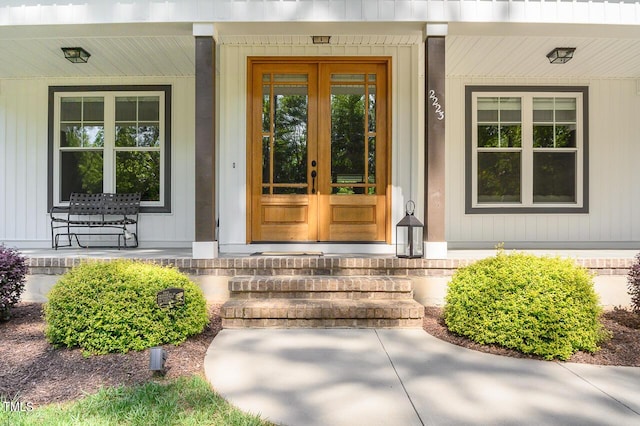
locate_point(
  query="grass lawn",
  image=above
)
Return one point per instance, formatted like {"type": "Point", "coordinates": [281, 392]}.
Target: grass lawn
{"type": "Point", "coordinates": [181, 401]}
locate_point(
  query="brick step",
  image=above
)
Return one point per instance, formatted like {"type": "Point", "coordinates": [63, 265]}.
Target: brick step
{"type": "Point", "coordinates": [321, 323]}
{"type": "Point", "coordinates": [323, 312]}
{"type": "Point", "coordinates": [320, 287]}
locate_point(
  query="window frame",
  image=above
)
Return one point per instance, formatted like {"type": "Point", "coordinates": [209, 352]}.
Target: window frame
{"type": "Point", "coordinates": [110, 150]}
{"type": "Point", "coordinates": [526, 204]}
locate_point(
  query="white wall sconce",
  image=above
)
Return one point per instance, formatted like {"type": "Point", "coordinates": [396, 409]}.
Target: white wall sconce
{"type": "Point", "coordinates": [77, 55]}
{"type": "Point", "coordinates": [561, 55]}
{"type": "Point", "coordinates": [321, 39]}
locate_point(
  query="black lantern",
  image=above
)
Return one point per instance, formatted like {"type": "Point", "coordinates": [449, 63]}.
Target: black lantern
{"type": "Point", "coordinates": [409, 234]}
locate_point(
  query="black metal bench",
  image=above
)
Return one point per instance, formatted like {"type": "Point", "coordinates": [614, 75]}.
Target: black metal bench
{"type": "Point", "coordinates": [113, 214]}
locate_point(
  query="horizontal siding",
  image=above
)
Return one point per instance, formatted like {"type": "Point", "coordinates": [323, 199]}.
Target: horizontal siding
{"type": "Point", "coordinates": [106, 11]}
{"type": "Point", "coordinates": [614, 207]}
{"type": "Point", "coordinates": [23, 163]}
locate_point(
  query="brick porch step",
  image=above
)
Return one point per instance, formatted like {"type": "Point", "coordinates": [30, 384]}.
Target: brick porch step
{"type": "Point", "coordinates": [321, 301]}
{"type": "Point", "coordinates": [321, 313]}
{"type": "Point", "coordinates": [320, 287]}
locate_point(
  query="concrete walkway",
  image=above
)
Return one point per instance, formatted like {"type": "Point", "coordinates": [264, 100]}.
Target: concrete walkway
{"type": "Point", "coordinates": [303, 377]}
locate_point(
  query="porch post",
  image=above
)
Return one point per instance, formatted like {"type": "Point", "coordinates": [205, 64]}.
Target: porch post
{"type": "Point", "coordinates": [205, 245]}
{"type": "Point", "coordinates": [435, 245]}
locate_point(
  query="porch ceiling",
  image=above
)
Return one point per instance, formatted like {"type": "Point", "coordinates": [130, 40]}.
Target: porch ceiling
{"type": "Point", "coordinates": [116, 50]}
{"type": "Point", "coordinates": [473, 49]}
{"type": "Point", "coordinates": [519, 50]}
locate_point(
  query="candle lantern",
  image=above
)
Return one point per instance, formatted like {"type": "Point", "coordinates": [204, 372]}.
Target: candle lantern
{"type": "Point", "coordinates": [409, 233]}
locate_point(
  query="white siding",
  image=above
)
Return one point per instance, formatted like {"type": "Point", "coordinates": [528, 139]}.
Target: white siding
{"type": "Point", "coordinates": [614, 193]}
{"type": "Point", "coordinates": [23, 163]}
{"type": "Point", "coordinates": [407, 87]}
{"type": "Point", "coordinates": [104, 11]}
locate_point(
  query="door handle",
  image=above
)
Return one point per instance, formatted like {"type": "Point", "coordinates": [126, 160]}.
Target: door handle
{"type": "Point", "coordinates": [313, 181]}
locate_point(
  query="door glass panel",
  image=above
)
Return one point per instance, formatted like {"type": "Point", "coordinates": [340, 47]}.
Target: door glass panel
{"type": "Point", "coordinates": [353, 133]}
{"type": "Point", "coordinates": [266, 108]}
{"type": "Point", "coordinates": [284, 133]}
{"type": "Point", "coordinates": [294, 78]}
{"type": "Point", "coordinates": [372, 160]}
{"type": "Point", "coordinates": [266, 159]}
{"type": "Point", "coordinates": [348, 151]}
{"type": "Point", "coordinates": [372, 108]}
{"type": "Point", "coordinates": [347, 78]}
{"type": "Point", "coordinates": [290, 108]}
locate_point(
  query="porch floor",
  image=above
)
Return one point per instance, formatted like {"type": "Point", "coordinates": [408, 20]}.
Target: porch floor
{"type": "Point", "coordinates": [55, 262]}
{"type": "Point", "coordinates": [185, 253]}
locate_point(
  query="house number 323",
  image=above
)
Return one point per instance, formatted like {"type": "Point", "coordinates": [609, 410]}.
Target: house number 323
{"type": "Point", "coordinates": [436, 104]}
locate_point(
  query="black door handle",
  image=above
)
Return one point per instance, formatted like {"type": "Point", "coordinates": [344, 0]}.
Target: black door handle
{"type": "Point", "coordinates": [313, 181]}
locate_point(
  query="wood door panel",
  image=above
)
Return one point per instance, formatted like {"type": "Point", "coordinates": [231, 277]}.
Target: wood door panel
{"type": "Point", "coordinates": [353, 215]}
{"type": "Point", "coordinates": [351, 233]}
{"type": "Point", "coordinates": [353, 218]}
{"type": "Point", "coordinates": [284, 214]}
{"type": "Point", "coordinates": [284, 209]}
{"type": "Point", "coordinates": [284, 232]}
{"type": "Point", "coordinates": [286, 218]}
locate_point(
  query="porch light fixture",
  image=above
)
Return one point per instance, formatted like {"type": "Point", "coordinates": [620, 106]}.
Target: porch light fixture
{"type": "Point", "coordinates": [561, 55]}
{"type": "Point", "coordinates": [409, 233]}
{"type": "Point", "coordinates": [321, 39]}
{"type": "Point", "coordinates": [77, 55]}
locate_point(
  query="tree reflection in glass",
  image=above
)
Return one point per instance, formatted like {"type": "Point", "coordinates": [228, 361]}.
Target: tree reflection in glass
{"type": "Point", "coordinates": [285, 148]}
{"type": "Point", "coordinates": [348, 137]}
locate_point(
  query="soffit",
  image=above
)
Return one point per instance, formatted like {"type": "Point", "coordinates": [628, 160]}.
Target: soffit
{"type": "Point", "coordinates": [165, 49]}
{"type": "Point", "coordinates": [482, 50]}
{"type": "Point", "coordinates": [510, 50]}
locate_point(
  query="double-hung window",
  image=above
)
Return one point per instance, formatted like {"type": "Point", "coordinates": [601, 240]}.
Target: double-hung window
{"type": "Point", "coordinates": [526, 150]}
{"type": "Point", "coordinates": [110, 139]}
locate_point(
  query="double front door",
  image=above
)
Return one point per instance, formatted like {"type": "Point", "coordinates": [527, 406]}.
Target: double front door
{"type": "Point", "coordinates": [318, 148]}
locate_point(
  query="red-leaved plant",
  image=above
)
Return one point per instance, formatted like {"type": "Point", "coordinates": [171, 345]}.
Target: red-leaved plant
{"type": "Point", "coordinates": [633, 284]}
{"type": "Point", "coordinates": [13, 272]}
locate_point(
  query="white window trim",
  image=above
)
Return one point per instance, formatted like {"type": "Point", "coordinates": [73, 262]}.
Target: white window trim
{"type": "Point", "coordinates": [109, 149]}
{"type": "Point", "coordinates": [527, 150]}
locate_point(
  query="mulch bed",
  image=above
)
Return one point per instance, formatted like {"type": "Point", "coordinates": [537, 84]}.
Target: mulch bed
{"type": "Point", "coordinates": [33, 371]}
{"type": "Point", "coordinates": [622, 349]}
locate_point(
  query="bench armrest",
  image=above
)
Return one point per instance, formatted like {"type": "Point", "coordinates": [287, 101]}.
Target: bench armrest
{"type": "Point", "coordinates": [59, 209]}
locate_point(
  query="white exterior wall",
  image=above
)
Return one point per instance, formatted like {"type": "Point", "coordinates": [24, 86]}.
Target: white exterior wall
{"type": "Point", "coordinates": [24, 220]}
{"type": "Point", "coordinates": [29, 12]}
{"type": "Point", "coordinates": [406, 135]}
{"type": "Point", "coordinates": [613, 220]}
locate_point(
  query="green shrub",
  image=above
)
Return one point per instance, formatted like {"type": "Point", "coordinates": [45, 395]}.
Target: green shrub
{"type": "Point", "coordinates": [13, 274]}
{"type": "Point", "coordinates": [537, 305]}
{"type": "Point", "coordinates": [106, 307]}
{"type": "Point", "coordinates": [633, 284]}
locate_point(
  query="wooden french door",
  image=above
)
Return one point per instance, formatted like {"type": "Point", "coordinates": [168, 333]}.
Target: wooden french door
{"type": "Point", "coordinates": [318, 148]}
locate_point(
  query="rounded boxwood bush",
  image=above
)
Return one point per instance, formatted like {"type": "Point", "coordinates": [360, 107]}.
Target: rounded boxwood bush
{"type": "Point", "coordinates": [106, 307]}
{"type": "Point", "coordinates": [13, 273]}
{"type": "Point", "coordinates": [537, 305]}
